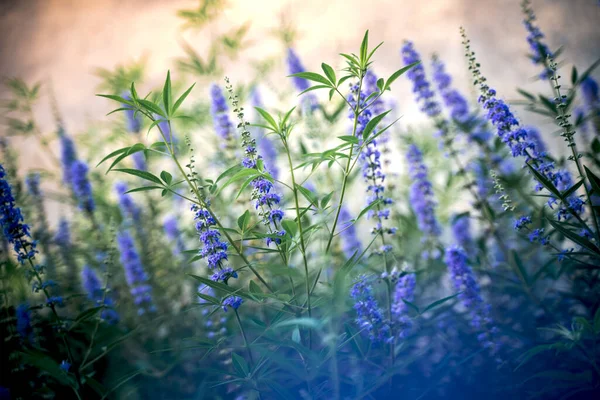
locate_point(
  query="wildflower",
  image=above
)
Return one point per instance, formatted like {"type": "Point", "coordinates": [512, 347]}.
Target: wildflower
{"type": "Point", "coordinates": [421, 87]}
{"type": "Point", "coordinates": [539, 50]}
{"type": "Point", "coordinates": [233, 301]}
{"type": "Point", "coordinates": [461, 230]}
{"type": "Point", "coordinates": [404, 290]}
{"type": "Point", "coordinates": [213, 249]}
{"type": "Point", "coordinates": [295, 66]}
{"type": "Point", "coordinates": [68, 155]}
{"type": "Point", "coordinates": [32, 181]}
{"type": "Point", "coordinates": [452, 98]}
{"type": "Point", "coordinates": [464, 280]}
{"type": "Point", "coordinates": [126, 203]}
{"type": "Point", "coordinates": [172, 232]}
{"type": "Point", "coordinates": [81, 186]}
{"type": "Point", "coordinates": [522, 222]}
{"type": "Point", "coordinates": [535, 136]}
{"type": "Point", "coordinates": [23, 316]}
{"type": "Point", "coordinates": [62, 237]}
{"type": "Point", "coordinates": [350, 242]}
{"type": "Point", "coordinates": [166, 130]}
{"type": "Point", "coordinates": [65, 365]}
{"type": "Point", "coordinates": [224, 274]}
{"type": "Point", "coordinates": [55, 301]}
{"type": "Point", "coordinates": [421, 195]}
{"type": "Point", "coordinates": [263, 194]}
{"type": "Point", "coordinates": [219, 111]}
{"type": "Point", "coordinates": [15, 230]}
{"type": "Point", "coordinates": [95, 293]}
{"type": "Point", "coordinates": [139, 161]}
{"type": "Point", "coordinates": [369, 315]}
{"type": "Point", "coordinates": [589, 92]}
{"type": "Point", "coordinates": [134, 274]}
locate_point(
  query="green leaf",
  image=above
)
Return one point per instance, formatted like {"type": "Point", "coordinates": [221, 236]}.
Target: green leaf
{"type": "Point", "coordinates": [326, 200]}
{"type": "Point", "coordinates": [536, 350]}
{"type": "Point", "coordinates": [312, 76]}
{"type": "Point", "coordinates": [544, 181]}
{"type": "Point", "coordinates": [574, 75]}
{"type": "Point", "coordinates": [310, 196]}
{"type": "Point", "coordinates": [575, 237]}
{"type": "Point", "coordinates": [568, 192]}
{"type": "Point", "coordinates": [209, 299]}
{"type": "Point", "coordinates": [296, 335]}
{"type": "Point", "coordinates": [114, 153]}
{"type": "Point", "coordinates": [167, 95]}
{"type": "Point", "coordinates": [270, 120]}
{"type": "Point", "coordinates": [244, 173]}
{"type": "Point", "coordinates": [367, 208]}
{"type": "Point", "coordinates": [373, 123]}
{"type": "Point", "coordinates": [240, 365]}
{"type": "Point", "coordinates": [439, 302]}
{"type": "Point", "coordinates": [349, 139]}
{"type": "Point", "coordinates": [244, 221]}
{"type": "Point", "coordinates": [167, 177]}
{"type": "Point", "coordinates": [329, 72]}
{"type": "Point", "coordinates": [304, 321]}
{"type": "Point", "coordinates": [144, 189]}
{"type": "Point", "coordinates": [230, 171]}
{"type": "Point", "coordinates": [364, 48]}
{"type": "Point", "coordinates": [116, 98]}
{"type": "Point", "coordinates": [151, 107]}
{"type": "Point", "coordinates": [316, 87]}
{"type": "Point", "coordinates": [181, 99]}
{"type": "Point", "coordinates": [411, 305]}
{"type": "Point", "coordinates": [254, 288]}
{"type": "Point", "coordinates": [527, 95]}
{"type": "Point", "coordinates": [594, 180]}
{"type": "Point", "coordinates": [398, 74]}
{"type": "Point", "coordinates": [142, 174]}
{"type": "Point", "coordinates": [519, 264]}
{"type": "Point", "coordinates": [291, 227]}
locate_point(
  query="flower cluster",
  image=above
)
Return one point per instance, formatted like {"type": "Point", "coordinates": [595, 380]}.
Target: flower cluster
{"type": "Point", "coordinates": [24, 328]}
{"type": "Point", "coordinates": [461, 230]}
{"type": "Point", "coordinates": [539, 50]}
{"type": "Point", "coordinates": [421, 196]}
{"type": "Point", "coordinates": [95, 292]}
{"type": "Point", "coordinates": [421, 87]}
{"type": "Point", "coordinates": [15, 230]}
{"type": "Point", "coordinates": [589, 111]}
{"type": "Point", "coordinates": [213, 249]}
{"type": "Point", "coordinates": [135, 275]}
{"type": "Point", "coordinates": [81, 186]}
{"type": "Point", "coordinates": [265, 144]}
{"type": "Point", "coordinates": [233, 301]}
{"type": "Point", "coordinates": [32, 181]}
{"type": "Point", "coordinates": [173, 233]}
{"type": "Point", "coordinates": [404, 290]}
{"type": "Point", "coordinates": [369, 315]}
{"type": "Point", "coordinates": [295, 66]}
{"type": "Point", "coordinates": [215, 324]}
{"type": "Point", "coordinates": [128, 207]}
{"type": "Point", "coordinates": [132, 119]}
{"type": "Point", "coordinates": [68, 155]}
{"type": "Point", "coordinates": [464, 280]}
{"type": "Point", "coordinates": [263, 192]}
{"type": "Point", "coordinates": [219, 111]}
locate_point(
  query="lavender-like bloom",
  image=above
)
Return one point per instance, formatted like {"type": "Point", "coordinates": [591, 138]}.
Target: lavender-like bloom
{"type": "Point", "coordinates": [350, 242]}
{"type": "Point", "coordinates": [461, 230]}
{"type": "Point", "coordinates": [263, 193]}
{"type": "Point", "coordinates": [295, 66]}
{"type": "Point", "coordinates": [219, 110]}
{"type": "Point", "coordinates": [591, 105]}
{"type": "Point", "coordinates": [65, 365]}
{"type": "Point", "coordinates": [369, 315]}
{"type": "Point", "coordinates": [134, 121]}
{"type": "Point", "coordinates": [128, 207]}
{"type": "Point", "coordinates": [589, 92]}
{"type": "Point", "coordinates": [370, 155]}
{"type": "Point", "coordinates": [62, 237]}
{"type": "Point", "coordinates": [16, 232]}
{"type": "Point", "coordinates": [166, 130]}
{"type": "Point", "coordinates": [68, 156]}
{"type": "Point", "coordinates": [81, 186]}
{"type": "Point", "coordinates": [213, 249]}
{"type": "Point", "coordinates": [135, 275]}
{"type": "Point", "coordinates": [539, 50]}
{"type": "Point", "coordinates": [421, 195]}
{"type": "Point", "coordinates": [421, 87]}
{"type": "Point", "coordinates": [405, 290]}
{"type": "Point", "coordinates": [95, 292]}
{"type": "Point", "coordinates": [464, 280]}
{"type": "Point", "coordinates": [173, 233]}
{"type": "Point", "coordinates": [32, 181]}
{"type": "Point", "coordinates": [536, 137]}
{"type": "Point", "coordinates": [23, 316]}
{"type": "Point", "coordinates": [233, 301]}
{"type": "Point", "coordinates": [139, 161]}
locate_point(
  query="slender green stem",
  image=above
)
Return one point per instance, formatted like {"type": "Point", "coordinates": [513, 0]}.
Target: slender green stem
{"type": "Point", "coordinates": [301, 233]}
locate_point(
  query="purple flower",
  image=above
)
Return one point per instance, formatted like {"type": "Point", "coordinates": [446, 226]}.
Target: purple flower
{"type": "Point", "coordinates": [32, 181]}
{"type": "Point", "coordinates": [404, 290]}
{"type": "Point", "coordinates": [461, 230]}
{"type": "Point", "coordinates": [95, 291]}
{"type": "Point", "coordinates": [62, 237]}
{"type": "Point", "coordinates": [219, 110]}
{"type": "Point", "coordinates": [421, 195]}
{"type": "Point", "coordinates": [173, 233]}
{"type": "Point", "coordinates": [295, 66]}
{"type": "Point", "coordinates": [134, 274]}
{"type": "Point", "coordinates": [223, 275]}
{"type": "Point", "coordinates": [128, 207]}
{"type": "Point", "coordinates": [139, 161]}
{"type": "Point", "coordinates": [589, 92]}
{"type": "Point", "coordinates": [81, 186]}
{"type": "Point", "coordinates": [24, 328]}
{"type": "Point", "coordinates": [68, 155]}
{"type": "Point", "coordinates": [133, 119]}
{"type": "Point", "coordinates": [65, 365]}
{"type": "Point", "coordinates": [369, 315]}
{"type": "Point", "coordinates": [522, 222]}
{"type": "Point", "coordinates": [464, 281]}
{"type": "Point", "coordinates": [421, 87]}
{"type": "Point", "coordinates": [265, 144]}
{"type": "Point", "coordinates": [233, 301]}
{"type": "Point", "coordinates": [539, 50]}
{"type": "Point", "coordinates": [213, 249]}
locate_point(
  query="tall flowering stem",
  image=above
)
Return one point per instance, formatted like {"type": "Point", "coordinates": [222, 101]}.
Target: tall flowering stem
{"type": "Point", "coordinates": [82, 187]}
{"type": "Point", "coordinates": [136, 277]}
{"type": "Point", "coordinates": [263, 194]}
{"type": "Point", "coordinates": [219, 111]}
{"type": "Point", "coordinates": [518, 140]}
{"type": "Point", "coordinates": [369, 315]}
{"type": "Point", "coordinates": [539, 50]}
